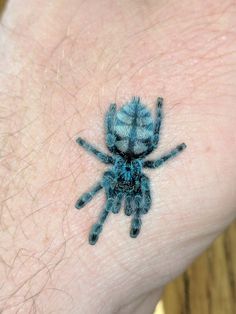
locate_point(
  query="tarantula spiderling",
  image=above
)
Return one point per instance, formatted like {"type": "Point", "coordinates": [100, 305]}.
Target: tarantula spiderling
{"type": "Point", "coordinates": [131, 135]}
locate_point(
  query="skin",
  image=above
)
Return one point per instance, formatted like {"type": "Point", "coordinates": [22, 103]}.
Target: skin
{"type": "Point", "coordinates": [61, 66]}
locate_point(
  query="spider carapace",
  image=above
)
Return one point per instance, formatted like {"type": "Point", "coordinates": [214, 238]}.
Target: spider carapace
{"type": "Point", "coordinates": [131, 135]}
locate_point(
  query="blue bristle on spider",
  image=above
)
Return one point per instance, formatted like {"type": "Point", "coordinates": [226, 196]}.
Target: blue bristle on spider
{"type": "Point", "coordinates": [131, 135]}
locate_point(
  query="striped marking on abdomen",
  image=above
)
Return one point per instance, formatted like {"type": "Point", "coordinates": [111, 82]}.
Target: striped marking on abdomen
{"type": "Point", "coordinates": [133, 126]}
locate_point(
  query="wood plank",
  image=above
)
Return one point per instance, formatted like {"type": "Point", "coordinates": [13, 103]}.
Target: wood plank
{"type": "Point", "coordinates": [209, 285]}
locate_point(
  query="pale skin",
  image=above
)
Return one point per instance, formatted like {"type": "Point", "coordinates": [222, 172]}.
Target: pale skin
{"type": "Point", "coordinates": [62, 64]}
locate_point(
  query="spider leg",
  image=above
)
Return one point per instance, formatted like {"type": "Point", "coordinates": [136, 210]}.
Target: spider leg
{"type": "Point", "coordinates": [109, 122]}
{"type": "Point", "coordinates": [152, 144]}
{"type": "Point", "coordinates": [142, 204]}
{"type": "Point", "coordinates": [106, 159]}
{"type": "Point", "coordinates": [98, 226]}
{"type": "Point", "coordinates": [87, 197]}
{"type": "Point", "coordinates": [159, 117]}
{"type": "Point", "coordinates": [157, 163]}
{"type": "Point", "coordinates": [136, 221]}
{"type": "Point", "coordinates": [128, 204]}
{"type": "Point", "coordinates": [146, 199]}
{"type": "Point", "coordinates": [117, 205]}
{"type": "Point", "coordinates": [108, 183]}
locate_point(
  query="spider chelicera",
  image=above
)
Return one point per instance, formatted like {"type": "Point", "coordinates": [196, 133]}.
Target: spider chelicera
{"type": "Point", "coordinates": [131, 135]}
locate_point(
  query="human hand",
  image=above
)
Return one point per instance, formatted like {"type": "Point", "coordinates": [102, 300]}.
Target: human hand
{"type": "Point", "coordinates": [61, 66]}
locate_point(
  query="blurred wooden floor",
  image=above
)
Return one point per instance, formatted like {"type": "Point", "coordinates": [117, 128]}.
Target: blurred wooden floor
{"type": "Point", "coordinates": [209, 285]}
{"type": "Point", "coordinates": [2, 5]}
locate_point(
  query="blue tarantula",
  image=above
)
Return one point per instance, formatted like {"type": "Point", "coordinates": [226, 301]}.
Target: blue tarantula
{"type": "Point", "coordinates": [131, 135]}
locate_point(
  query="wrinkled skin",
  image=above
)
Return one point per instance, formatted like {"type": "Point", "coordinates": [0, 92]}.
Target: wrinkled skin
{"type": "Point", "coordinates": [61, 67]}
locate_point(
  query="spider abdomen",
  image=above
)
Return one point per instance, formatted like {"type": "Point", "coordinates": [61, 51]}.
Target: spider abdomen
{"type": "Point", "coordinates": [133, 128]}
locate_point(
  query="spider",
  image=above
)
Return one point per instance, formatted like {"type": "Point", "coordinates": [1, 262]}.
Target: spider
{"type": "Point", "coordinates": [131, 135]}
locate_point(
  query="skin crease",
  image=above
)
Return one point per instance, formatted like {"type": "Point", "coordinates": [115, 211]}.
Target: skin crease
{"type": "Point", "coordinates": [61, 66]}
